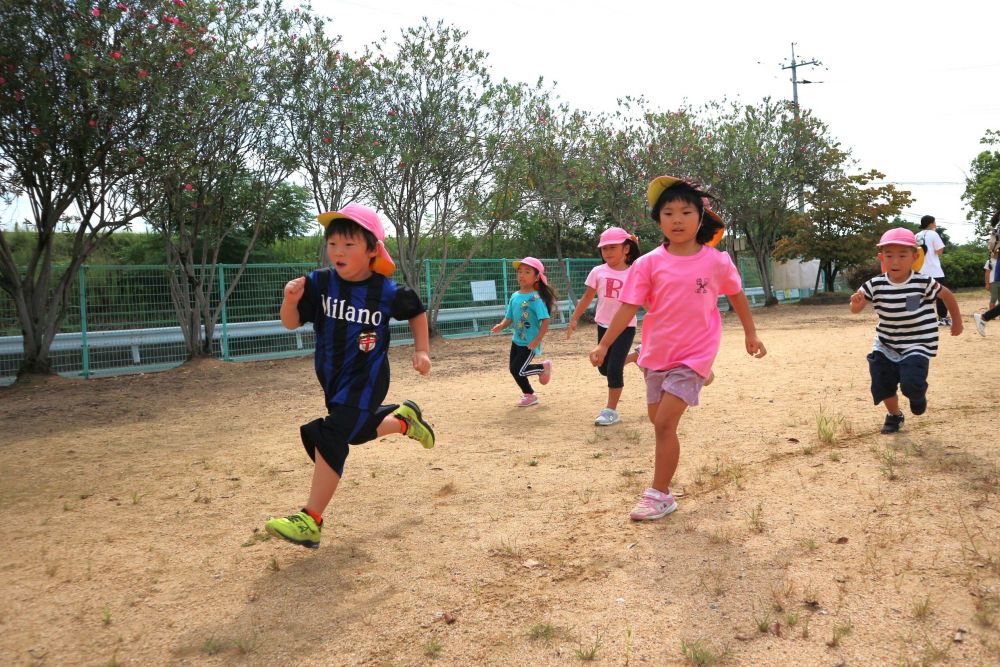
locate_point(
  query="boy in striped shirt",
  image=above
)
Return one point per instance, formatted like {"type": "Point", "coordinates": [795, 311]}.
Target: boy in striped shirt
{"type": "Point", "coordinates": [906, 336]}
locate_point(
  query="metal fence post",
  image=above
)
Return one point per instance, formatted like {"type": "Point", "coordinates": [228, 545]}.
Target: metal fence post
{"type": "Point", "coordinates": [427, 278]}
{"type": "Point", "coordinates": [222, 308]}
{"type": "Point", "coordinates": [506, 294]}
{"type": "Point", "coordinates": [84, 349]}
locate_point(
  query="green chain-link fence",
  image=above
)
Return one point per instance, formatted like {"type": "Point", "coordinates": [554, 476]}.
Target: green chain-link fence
{"type": "Point", "coordinates": [121, 319]}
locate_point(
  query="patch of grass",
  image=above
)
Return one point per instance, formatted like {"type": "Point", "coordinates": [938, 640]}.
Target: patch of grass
{"type": "Point", "coordinates": [809, 544]}
{"type": "Point", "coordinates": [828, 425]}
{"type": "Point", "coordinates": [258, 536]}
{"type": "Point", "coordinates": [507, 547]}
{"type": "Point", "coordinates": [791, 618]}
{"type": "Point", "coordinates": [433, 647]}
{"type": "Point", "coordinates": [720, 536]}
{"type": "Point", "coordinates": [136, 497]}
{"type": "Point", "coordinates": [273, 565]}
{"type": "Point", "coordinates": [702, 653]}
{"type": "Point", "coordinates": [762, 621]}
{"type": "Point", "coordinates": [542, 631]}
{"type": "Point", "coordinates": [598, 455]}
{"type": "Point", "coordinates": [588, 653]}
{"type": "Point", "coordinates": [834, 456]}
{"type": "Point", "coordinates": [213, 646]}
{"type": "Point", "coordinates": [106, 616]}
{"type": "Point", "coordinates": [756, 518]}
{"type": "Point", "coordinates": [840, 631]}
{"type": "Point", "coordinates": [533, 462]}
{"type": "Point", "coordinates": [921, 609]}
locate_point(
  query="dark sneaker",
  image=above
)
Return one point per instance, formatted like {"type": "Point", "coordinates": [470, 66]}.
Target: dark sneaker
{"type": "Point", "coordinates": [893, 423]}
{"type": "Point", "coordinates": [918, 406]}
{"type": "Point", "coordinates": [416, 427]}
{"type": "Point", "coordinates": [298, 528]}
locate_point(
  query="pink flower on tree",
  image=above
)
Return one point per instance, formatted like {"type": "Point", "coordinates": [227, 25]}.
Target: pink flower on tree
{"type": "Point", "coordinates": [180, 3]}
{"type": "Point", "coordinates": [116, 55]}
{"type": "Point", "coordinates": [96, 12]}
{"type": "Point", "coordinates": [190, 50]}
{"type": "Point", "coordinates": [122, 6]}
{"type": "Point", "coordinates": [35, 131]}
{"type": "Point", "coordinates": [18, 96]}
{"type": "Point", "coordinates": [376, 143]}
{"type": "Point", "coordinates": [3, 81]}
{"type": "Point", "coordinates": [177, 63]}
{"type": "Point", "coordinates": [67, 56]}
{"type": "Point", "coordinates": [188, 186]}
{"type": "Point", "coordinates": [140, 159]}
{"type": "Point", "coordinates": [326, 140]}
{"type": "Point", "coordinates": [143, 74]}
{"type": "Point", "coordinates": [92, 122]}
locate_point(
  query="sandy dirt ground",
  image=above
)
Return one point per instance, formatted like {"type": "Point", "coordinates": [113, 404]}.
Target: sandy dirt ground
{"type": "Point", "coordinates": [133, 509]}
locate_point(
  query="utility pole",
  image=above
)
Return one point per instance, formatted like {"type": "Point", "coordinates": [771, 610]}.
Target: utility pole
{"type": "Point", "coordinates": [795, 101]}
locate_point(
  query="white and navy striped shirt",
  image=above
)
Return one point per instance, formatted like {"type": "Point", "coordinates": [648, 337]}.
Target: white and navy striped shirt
{"type": "Point", "coordinates": [907, 321]}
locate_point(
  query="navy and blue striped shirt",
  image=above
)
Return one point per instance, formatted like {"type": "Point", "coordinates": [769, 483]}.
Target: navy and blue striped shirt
{"type": "Point", "coordinates": [351, 321]}
{"type": "Point", "coordinates": [907, 321]}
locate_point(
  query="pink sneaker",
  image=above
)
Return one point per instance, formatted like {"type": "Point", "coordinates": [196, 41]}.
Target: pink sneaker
{"type": "Point", "coordinates": [527, 401]}
{"type": "Point", "coordinates": [653, 505]}
{"type": "Point", "coordinates": [546, 372]}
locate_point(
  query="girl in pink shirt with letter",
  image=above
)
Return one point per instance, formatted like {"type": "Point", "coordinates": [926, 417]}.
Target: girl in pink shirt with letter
{"type": "Point", "coordinates": [619, 249]}
{"type": "Point", "coordinates": [679, 284]}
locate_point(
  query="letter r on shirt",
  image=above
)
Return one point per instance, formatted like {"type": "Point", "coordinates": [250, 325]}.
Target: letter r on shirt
{"type": "Point", "coordinates": [613, 287]}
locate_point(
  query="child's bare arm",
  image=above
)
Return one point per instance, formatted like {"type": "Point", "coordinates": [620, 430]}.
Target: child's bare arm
{"type": "Point", "coordinates": [858, 302]}
{"type": "Point", "coordinates": [741, 307]}
{"type": "Point", "coordinates": [623, 316]}
{"type": "Point", "coordinates": [581, 307]}
{"type": "Point", "coordinates": [505, 322]}
{"type": "Point", "coordinates": [294, 289]}
{"type": "Point", "coordinates": [421, 344]}
{"type": "Point", "coordinates": [543, 328]}
{"type": "Point", "coordinates": [951, 303]}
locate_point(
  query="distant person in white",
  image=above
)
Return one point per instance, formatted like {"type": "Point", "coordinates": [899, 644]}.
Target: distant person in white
{"type": "Point", "coordinates": [933, 249]}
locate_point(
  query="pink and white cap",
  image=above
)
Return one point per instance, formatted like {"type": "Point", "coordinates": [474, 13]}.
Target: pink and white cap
{"type": "Point", "coordinates": [613, 235]}
{"type": "Point", "coordinates": [368, 219]}
{"type": "Point", "coordinates": [898, 236]}
{"type": "Point", "coordinates": [536, 264]}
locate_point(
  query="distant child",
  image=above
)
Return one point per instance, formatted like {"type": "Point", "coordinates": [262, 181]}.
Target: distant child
{"type": "Point", "coordinates": [906, 336]}
{"type": "Point", "coordinates": [992, 271]}
{"type": "Point", "coordinates": [528, 310]}
{"type": "Point", "coordinates": [619, 249]}
{"type": "Point", "coordinates": [349, 305]}
{"type": "Point", "coordinates": [679, 284]}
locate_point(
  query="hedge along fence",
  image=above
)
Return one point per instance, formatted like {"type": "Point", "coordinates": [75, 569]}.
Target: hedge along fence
{"type": "Point", "coordinates": [123, 319]}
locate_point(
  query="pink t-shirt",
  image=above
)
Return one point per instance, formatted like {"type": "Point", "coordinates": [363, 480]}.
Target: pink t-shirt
{"type": "Point", "coordinates": [682, 325]}
{"type": "Point", "coordinates": [608, 283]}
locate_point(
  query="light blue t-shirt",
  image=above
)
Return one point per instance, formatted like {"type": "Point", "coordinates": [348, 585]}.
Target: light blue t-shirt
{"type": "Point", "coordinates": [526, 312]}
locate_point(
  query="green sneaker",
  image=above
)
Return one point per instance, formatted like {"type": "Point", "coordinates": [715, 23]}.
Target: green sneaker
{"type": "Point", "coordinates": [416, 427]}
{"type": "Point", "coordinates": [299, 528]}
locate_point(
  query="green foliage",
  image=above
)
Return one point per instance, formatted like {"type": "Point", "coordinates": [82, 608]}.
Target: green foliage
{"type": "Point", "coordinates": [982, 186]}
{"type": "Point", "coordinates": [963, 265]}
{"type": "Point", "coordinates": [843, 223]}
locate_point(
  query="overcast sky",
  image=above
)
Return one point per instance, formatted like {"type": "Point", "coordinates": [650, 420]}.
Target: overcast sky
{"type": "Point", "coordinates": [909, 88]}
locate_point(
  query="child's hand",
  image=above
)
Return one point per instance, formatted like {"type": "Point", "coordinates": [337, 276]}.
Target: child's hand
{"type": "Point", "coordinates": [755, 348]}
{"type": "Point", "coordinates": [422, 362]}
{"type": "Point", "coordinates": [570, 328]}
{"type": "Point", "coordinates": [597, 355]}
{"type": "Point", "coordinates": [497, 328]}
{"type": "Point", "coordinates": [533, 345]}
{"type": "Point", "coordinates": [857, 298]}
{"type": "Point", "coordinates": [956, 326]}
{"type": "Point", "coordinates": [294, 289]}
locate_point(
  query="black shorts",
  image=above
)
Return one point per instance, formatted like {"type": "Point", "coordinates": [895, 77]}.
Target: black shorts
{"type": "Point", "coordinates": [909, 374]}
{"type": "Point", "coordinates": [344, 426]}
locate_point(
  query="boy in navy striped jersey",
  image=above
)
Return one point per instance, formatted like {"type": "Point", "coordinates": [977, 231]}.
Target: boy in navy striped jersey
{"type": "Point", "coordinates": [350, 305]}
{"type": "Point", "coordinates": [906, 336]}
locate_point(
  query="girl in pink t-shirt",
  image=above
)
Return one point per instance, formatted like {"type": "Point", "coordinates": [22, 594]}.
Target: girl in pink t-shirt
{"type": "Point", "coordinates": [679, 284]}
{"type": "Point", "coordinates": [619, 249]}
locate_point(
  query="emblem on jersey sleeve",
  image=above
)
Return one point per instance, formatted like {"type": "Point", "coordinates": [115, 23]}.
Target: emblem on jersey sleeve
{"type": "Point", "coordinates": [367, 341]}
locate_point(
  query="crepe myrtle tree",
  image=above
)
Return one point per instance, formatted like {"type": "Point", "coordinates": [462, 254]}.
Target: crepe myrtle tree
{"type": "Point", "coordinates": [221, 161]}
{"type": "Point", "coordinates": [441, 131]}
{"type": "Point", "coordinates": [762, 155]}
{"type": "Point", "coordinates": [982, 186]}
{"type": "Point", "coordinates": [82, 96]}
{"type": "Point", "coordinates": [333, 93]}
{"type": "Point", "coordinates": [844, 217]}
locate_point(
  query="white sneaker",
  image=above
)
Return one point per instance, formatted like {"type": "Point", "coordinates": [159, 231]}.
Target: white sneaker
{"type": "Point", "coordinates": [980, 324]}
{"type": "Point", "coordinates": [607, 417]}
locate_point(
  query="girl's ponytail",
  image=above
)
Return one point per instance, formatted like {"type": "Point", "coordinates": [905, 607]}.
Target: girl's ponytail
{"type": "Point", "coordinates": [548, 297]}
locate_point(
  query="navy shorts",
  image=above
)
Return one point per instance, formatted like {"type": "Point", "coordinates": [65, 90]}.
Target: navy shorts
{"type": "Point", "coordinates": [344, 426]}
{"type": "Point", "coordinates": [909, 374]}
